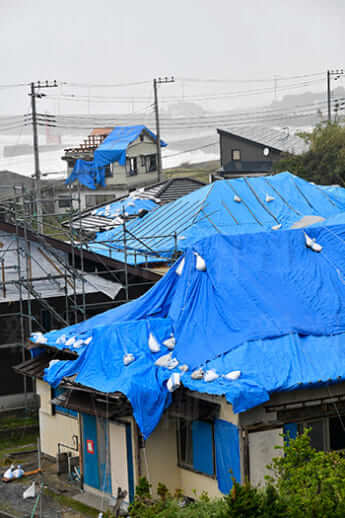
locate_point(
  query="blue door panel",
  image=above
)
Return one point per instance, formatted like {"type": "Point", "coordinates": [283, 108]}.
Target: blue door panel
{"type": "Point", "coordinates": [91, 472]}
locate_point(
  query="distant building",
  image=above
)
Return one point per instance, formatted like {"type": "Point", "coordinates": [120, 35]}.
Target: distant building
{"type": "Point", "coordinates": [253, 150]}
{"type": "Point", "coordinates": [137, 170]}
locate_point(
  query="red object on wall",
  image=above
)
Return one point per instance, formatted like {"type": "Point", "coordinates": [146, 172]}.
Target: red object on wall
{"type": "Point", "coordinates": [90, 448]}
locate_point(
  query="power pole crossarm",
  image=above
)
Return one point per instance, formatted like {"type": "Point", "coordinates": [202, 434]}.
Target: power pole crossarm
{"type": "Point", "coordinates": [156, 82]}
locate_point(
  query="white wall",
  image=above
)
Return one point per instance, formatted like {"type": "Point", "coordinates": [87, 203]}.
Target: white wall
{"type": "Point", "coordinates": [54, 428]}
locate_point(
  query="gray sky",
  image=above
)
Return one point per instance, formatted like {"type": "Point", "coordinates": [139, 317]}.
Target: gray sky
{"type": "Point", "coordinates": [113, 41]}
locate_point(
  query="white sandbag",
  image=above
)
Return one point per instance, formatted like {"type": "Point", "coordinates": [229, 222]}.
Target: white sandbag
{"type": "Point", "coordinates": [311, 243]}
{"type": "Point", "coordinates": [180, 267]}
{"type": "Point", "coordinates": [18, 472]}
{"type": "Point", "coordinates": [170, 342]}
{"type": "Point", "coordinates": [316, 247]}
{"type": "Point", "coordinates": [173, 363]}
{"type": "Point", "coordinates": [128, 359]}
{"type": "Point", "coordinates": [174, 381]}
{"type": "Point", "coordinates": [70, 341]}
{"type": "Point", "coordinates": [269, 198]}
{"type": "Point", "coordinates": [276, 227]}
{"type": "Point", "coordinates": [198, 374]}
{"type": "Point", "coordinates": [61, 339]}
{"type": "Point", "coordinates": [210, 375]}
{"type": "Point", "coordinates": [52, 362]}
{"type": "Point", "coordinates": [237, 198]}
{"type": "Point", "coordinates": [8, 475]}
{"type": "Point", "coordinates": [88, 340]}
{"type": "Point", "coordinates": [184, 367]}
{"type": "Point", "coordinates": [181, 238]}
{"type": "Point", "coordinates": [200, 263]}
{"type": "Point", "coordinates": [153, 344]}
{"type": "Point", "coordinates": [30, 492]}
{"type": "Point", "coordinates": [78, 343]}
{"type": "Point", "coordinates": [232, 376]}
{"type": "Point", "coordinates": [163, 361]}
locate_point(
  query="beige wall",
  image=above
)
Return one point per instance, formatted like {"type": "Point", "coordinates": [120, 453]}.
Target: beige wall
{"type": "Point", "coordinates": [161, 455]}
{"type": "Point", "coordinates": [54, 428]}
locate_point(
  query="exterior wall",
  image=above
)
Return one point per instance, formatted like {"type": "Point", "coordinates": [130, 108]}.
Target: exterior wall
{"type": "Point", "coordinates": [250, 151]}
{"type": "Point", "coordinates": [136, 149]}
{"type": "Point", "coordinates": [262, 449]}
{"type": "Point", "coordinates": [162, 462]}
{"type": "Point", "coordinates": [54, 428]}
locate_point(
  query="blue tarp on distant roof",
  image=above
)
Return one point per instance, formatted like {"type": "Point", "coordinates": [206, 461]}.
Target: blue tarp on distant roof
{"type": "Point", "coordinates": [128, 207]}
{"type": "Point", "coordinates": [112, 149]}
{"type": "Point", "coordinates": [266, 305]}
{"type": "Point", "coordinates": [213, 209]}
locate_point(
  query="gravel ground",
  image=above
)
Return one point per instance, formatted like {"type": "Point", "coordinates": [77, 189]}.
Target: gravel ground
{"type": "Point", "coordinates": [11, 494]}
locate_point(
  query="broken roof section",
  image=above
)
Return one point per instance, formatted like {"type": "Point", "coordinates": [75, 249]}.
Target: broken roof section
{"type": "Point", "coordinates": [236, 206]}
{"type": "Point", "coordinates": [99, 218]}
{"type": "Point", "coordinates": [112, 149]}
{"type": "Point", "coordinates": [274, 322]}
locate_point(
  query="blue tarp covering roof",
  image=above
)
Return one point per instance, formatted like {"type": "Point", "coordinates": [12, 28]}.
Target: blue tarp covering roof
{"type": "Point", "coordinates": [266, 306]}
{"type": "Point", "coordinates": [235, 206]}
{"type": "Point", "coordinates": [112, 149]}
{"type": "Point", "coordinates": [128, 207]}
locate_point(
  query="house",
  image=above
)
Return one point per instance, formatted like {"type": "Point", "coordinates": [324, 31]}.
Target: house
{"type": "Point", "coordinates": [241, 340]}
{"type": "Point", "coordinates": [252, 150]}
{"type": "Point", "coordinates": [115, 160]}
{"type": "Point", "coordinates": [228, 206]}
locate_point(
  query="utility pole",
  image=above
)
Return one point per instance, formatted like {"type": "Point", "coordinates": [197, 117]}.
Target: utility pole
{"type": "Point", "coordinates": [337, 74]}
{"type": "Point", "coordinates": [156, 82]}
{"type": "Point", "coordinates": [39, 95]}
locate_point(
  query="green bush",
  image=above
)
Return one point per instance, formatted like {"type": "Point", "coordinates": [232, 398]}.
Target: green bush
{"type": "Point", "coordinates": [305, 483]}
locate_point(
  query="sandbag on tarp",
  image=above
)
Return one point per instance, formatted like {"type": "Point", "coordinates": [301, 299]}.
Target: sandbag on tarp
{"type": "Point", "coordinates": [129, 206]}
{"type": "Point", "coordinates": [100, 366]}
{"type": "Point", "coordinates": [112, 149]}
{"type": "Point", "coordinates": [256, 293]}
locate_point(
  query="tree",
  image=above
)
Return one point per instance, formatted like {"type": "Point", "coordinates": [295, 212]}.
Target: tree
{"type": "Point", "coordinates": [324, 162]}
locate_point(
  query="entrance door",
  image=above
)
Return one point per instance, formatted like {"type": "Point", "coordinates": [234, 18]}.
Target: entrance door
{"type": "Point", "coordinates": [96, 453]}
{"type": "Point", "coordinates": [121, 458]}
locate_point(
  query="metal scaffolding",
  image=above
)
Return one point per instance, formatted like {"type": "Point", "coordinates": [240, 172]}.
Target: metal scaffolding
{"type": "Point", "coordinates": [31, 266]}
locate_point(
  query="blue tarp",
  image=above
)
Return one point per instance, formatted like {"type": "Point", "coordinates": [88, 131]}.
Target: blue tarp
{"type": "Point", "coordinates": [267, 306]}
{"type": "Point", "coordinates": [213, 209]}
{"type": "Point", "coordinates": [227, 454]}
{"type": "Point", "coordinates": [113, 149]}
{"type": "Point", "coordinates": [128, 207]}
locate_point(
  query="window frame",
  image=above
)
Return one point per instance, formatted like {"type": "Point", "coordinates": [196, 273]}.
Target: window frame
{"type": "Point", "coordinates": [233, 151]}
{"type": "Point", "coordinates": [189, 467]}
{"type": "Point", "coordinates": [57, 409]}
{"type": "Point", "coordinates": [129, 170]}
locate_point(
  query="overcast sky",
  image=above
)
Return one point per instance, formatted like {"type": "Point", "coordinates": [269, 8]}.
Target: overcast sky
{"type": "Point", "coordinates": [113, 41]}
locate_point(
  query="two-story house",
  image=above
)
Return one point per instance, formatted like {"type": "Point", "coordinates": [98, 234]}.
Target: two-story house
{"type": "Point", "coordinates": [111, 162]}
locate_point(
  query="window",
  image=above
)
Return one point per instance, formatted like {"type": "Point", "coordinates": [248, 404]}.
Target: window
{"type": "Point", "coordinates": [62, 393]}
{"type": "Point", "coordinates": [151, 163]}
{"type": "Point", "coordinates": [131, 166]}
{"type": "Point", "coordinates": [325, 434]}
{"type": "Point", "coordinates": [236, 154]}
{"type": "Point", "coordinates": [64, 203]}
{"type": "Point", "coordinates": [195, 446]}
